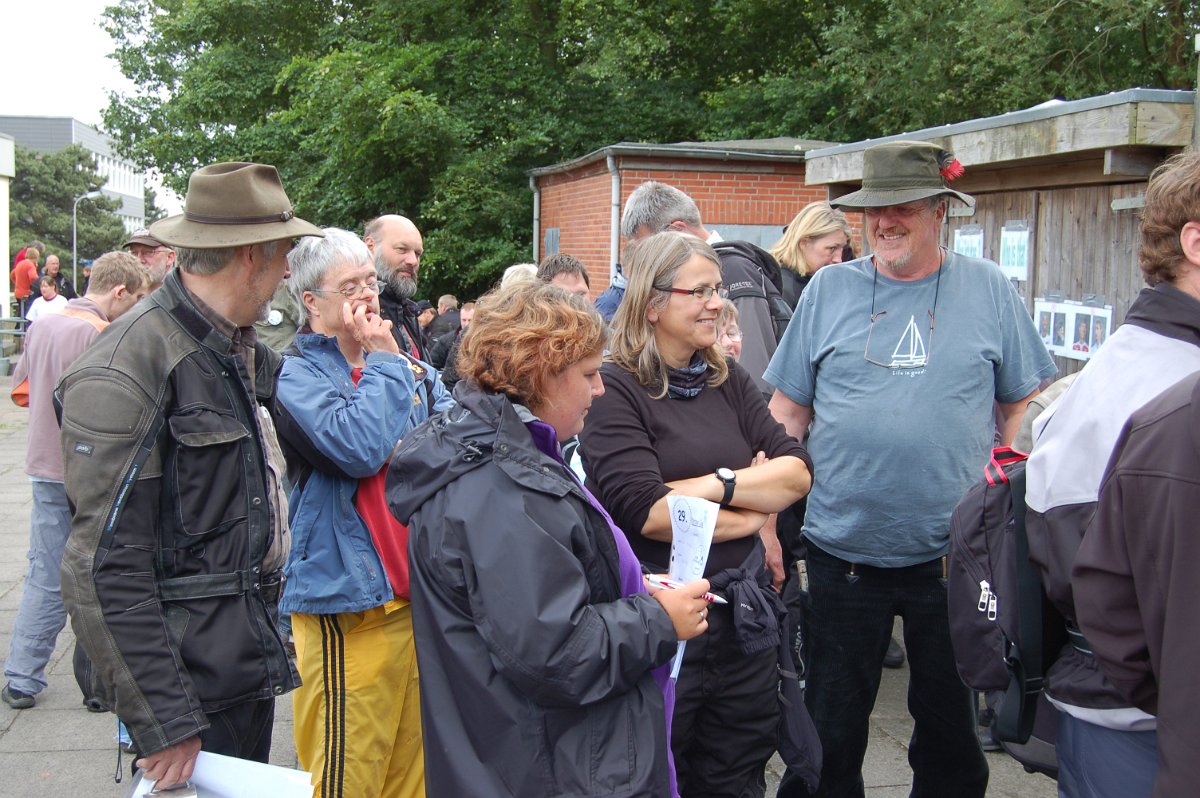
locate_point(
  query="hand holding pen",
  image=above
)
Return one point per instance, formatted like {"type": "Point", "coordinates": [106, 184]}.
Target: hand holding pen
{"type": "Point", "coordinates": [670, 584]}
{"type": "Point", "coordinates": [685, 604]}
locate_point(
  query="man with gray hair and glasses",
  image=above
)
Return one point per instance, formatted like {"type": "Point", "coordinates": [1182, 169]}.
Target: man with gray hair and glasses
{"type": "Point", "coordinates": [173, 568]}
{"type": "Point", "coordinates": [897, 361]}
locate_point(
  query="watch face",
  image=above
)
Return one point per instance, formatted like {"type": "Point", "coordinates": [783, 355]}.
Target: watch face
{"type": "Point", "coordinates": [726, 474]}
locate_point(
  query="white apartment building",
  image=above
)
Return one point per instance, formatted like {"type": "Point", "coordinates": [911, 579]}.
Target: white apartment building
{"type": "Point", "coordinates": [53, 133]}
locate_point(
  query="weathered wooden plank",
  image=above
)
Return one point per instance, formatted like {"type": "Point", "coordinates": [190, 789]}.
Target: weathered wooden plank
{"type": "Point", "coordinates": [992, 211]}
{"type": "Point", "coordinates": [1087, 248]}
{"type": "Point", "coordinates": [1164, 124]}
{"type": "Point", "coordinates": [1129, 203]}
{"type": "Point", "coordinates": [1127, 124]}
{"type": "Point", "coordinates": [1132, 161]}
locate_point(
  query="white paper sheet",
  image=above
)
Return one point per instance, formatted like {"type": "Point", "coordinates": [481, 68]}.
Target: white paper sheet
{"type": "Point", "coordinates": [692, 523]}
{"type": "Point", "coordinates": [217, 776]}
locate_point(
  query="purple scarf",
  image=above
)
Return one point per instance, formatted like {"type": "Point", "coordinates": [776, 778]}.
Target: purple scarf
{"type": "Point", "coordinates": [546, 440]}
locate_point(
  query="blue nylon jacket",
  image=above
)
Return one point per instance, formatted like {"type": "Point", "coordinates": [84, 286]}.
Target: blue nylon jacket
{"type": "Point", "coordinates": [341, 434]}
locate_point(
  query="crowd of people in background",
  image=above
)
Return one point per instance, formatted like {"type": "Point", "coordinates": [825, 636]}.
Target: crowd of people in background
{"type": "Point", "coordinates": [261, 465]}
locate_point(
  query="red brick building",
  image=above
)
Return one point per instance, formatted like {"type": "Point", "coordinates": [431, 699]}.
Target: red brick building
{"type": "Point", "coordinates": [746, 190]}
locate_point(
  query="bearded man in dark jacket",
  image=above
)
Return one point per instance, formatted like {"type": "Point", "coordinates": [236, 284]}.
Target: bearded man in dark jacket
{"type": "Point", "coordinates": [396, 245]}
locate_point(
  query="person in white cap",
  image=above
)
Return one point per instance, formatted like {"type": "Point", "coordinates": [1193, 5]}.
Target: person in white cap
{"type": "Point", "coordinates": [154, 254]}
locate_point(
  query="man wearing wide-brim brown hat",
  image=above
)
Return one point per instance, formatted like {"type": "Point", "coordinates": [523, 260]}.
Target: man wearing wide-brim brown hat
{"type": "Point", "coordinates": [904, 353]}
{"type": "Point", "coordinates": [172, 573]}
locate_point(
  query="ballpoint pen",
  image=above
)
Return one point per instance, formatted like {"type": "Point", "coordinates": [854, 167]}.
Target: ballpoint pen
{"type": "Point", "coordinates": [671, 584]}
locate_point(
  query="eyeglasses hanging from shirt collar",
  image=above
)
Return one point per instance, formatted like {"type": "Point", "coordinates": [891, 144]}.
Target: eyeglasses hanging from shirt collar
{"type": "Point", "coordinates": [911, 352]}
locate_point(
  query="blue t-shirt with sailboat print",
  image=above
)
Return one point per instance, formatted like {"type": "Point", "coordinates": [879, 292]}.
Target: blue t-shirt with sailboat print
{"type": "Point", "coordinates": [901, 376]}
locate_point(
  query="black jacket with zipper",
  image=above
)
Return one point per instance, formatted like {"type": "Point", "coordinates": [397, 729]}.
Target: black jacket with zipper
{"type": "Point", "coordinates": [535, 671]}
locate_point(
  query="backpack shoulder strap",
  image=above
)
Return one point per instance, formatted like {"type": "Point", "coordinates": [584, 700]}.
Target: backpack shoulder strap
{"type": "Point", "coordinates": [1014, 718]}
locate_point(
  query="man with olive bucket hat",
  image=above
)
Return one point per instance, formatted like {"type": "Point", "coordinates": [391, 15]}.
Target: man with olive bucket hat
{"type": "Point", "coordinates": [172, 570]}
{"type": "Point", "coordinates": [902, 423]}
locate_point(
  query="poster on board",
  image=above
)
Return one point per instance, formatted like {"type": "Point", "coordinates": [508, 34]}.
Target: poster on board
{"type": "Point", "coordinates": [1014, 250]}
{"type": "Point", "coordinates": [968, 241]}
{"type": "Point", "coordinates": [1072, 329]}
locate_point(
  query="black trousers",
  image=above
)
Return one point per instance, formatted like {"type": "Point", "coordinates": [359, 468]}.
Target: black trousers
{"type": "Point", "coordinates": [243, 730]}
{"type": "Point", "coordinates": [726, 720]}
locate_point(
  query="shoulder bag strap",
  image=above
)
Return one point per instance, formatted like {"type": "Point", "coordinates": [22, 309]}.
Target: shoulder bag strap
{"type": "Point", "coordinates": [1014, 720]}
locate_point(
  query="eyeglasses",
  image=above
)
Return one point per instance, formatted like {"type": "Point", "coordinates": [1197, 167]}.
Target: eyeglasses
{"type": "Point", "coordinates": [702, 292]}
{"type": "Point", "coordinates": [148, 252]}
{"type": "Point", "coordinates": [733, 334]}
{"type": "Point", "coordinates": [910, 352]}
{"type": "Point", "coordinates": [351, 291]}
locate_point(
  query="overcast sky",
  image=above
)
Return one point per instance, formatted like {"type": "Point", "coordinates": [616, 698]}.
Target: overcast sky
{"type": "Point", "coordinates": [64, 70]}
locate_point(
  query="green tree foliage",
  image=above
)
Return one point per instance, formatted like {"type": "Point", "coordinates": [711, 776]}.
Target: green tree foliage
{"type": "Point", "coordinates": [438, 108]}
{"type": "Point", "coordinates": [880, 67]}
{"type": "Point", "coordinates": [40, 200]}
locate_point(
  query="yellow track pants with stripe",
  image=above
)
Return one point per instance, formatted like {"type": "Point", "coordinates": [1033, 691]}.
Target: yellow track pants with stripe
{"type": "Point", "coordinates": [358, 714]}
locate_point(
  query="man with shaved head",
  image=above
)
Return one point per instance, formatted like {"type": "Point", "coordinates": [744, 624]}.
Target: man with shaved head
{"type": "Point", "coordinates": [396, 245]}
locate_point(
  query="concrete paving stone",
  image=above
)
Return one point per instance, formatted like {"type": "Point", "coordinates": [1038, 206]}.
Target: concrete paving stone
{"type": "Point", "coordinates": [85, 773]}
{"type": "Point", "coordinates": [58, 730]}
{"type": "Point", "coordinates": [9, 599]}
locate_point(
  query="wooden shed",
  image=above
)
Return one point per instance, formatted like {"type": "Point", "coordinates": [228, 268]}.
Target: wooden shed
{"type": "Point", "coordinates": [745, 190]}
{"type": "Point", "coordinates": [1057, 188]}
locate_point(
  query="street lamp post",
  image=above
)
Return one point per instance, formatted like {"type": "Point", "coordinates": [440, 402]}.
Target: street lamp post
{"type": "Point", "coordinates": [74, 220]}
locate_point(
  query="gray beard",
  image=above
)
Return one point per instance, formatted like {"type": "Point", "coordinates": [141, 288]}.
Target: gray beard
{"type": "Point", "coordinates": [897, 266]}
{"type": "Point", "coordinates": [403, 287]}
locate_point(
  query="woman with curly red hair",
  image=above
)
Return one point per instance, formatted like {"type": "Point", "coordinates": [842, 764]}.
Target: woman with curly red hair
{"type": "Point", "coordinates": [542, 657]}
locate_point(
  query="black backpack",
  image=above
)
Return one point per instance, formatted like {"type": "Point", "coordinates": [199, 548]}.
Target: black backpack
{"type": "Point", "coordinates": [1004, 630]}
{"type": "Point", "coordinates": [766, 282]}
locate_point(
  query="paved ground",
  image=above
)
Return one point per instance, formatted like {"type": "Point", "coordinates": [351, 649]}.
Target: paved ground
{"type": "Point", "coordinates": [59, 749]}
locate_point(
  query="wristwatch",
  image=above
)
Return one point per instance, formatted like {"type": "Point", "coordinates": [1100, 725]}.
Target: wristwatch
{"type": "Point", "coordinates": [729, 477]}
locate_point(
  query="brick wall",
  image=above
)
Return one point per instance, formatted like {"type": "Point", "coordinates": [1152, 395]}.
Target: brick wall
{"type": "Point", "coordinates": [578, 202]}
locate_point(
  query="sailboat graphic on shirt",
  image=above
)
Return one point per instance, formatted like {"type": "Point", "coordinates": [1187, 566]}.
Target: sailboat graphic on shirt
{"type": "Point", "coordinates": [910, 350]}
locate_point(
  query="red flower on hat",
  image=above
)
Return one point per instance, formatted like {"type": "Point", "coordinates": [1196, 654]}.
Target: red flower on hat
{"type": "Point", "coordinates": [950, 168]}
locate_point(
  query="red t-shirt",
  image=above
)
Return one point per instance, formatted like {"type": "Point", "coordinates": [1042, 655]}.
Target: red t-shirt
{"type": "Point", "coordinates": [24, 275]}
{"type": "Point", "coordinates": [389, 535]}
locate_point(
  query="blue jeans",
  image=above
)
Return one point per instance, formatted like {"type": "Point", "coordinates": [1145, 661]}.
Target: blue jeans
{"type": "Point", "coordinates": [41, 615]}
{"type": "Point", "coordinates": [1097, 762]}
{"type": "Point", "coordinates": [848, 626]}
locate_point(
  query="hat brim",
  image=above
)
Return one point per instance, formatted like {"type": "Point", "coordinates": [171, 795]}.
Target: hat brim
{"type": "Point", "coordinates": [882, 198]}
{"type": "Point", "coordinates": [146, 241]}
{"type": "Point", "coordinates": [179, 231]}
